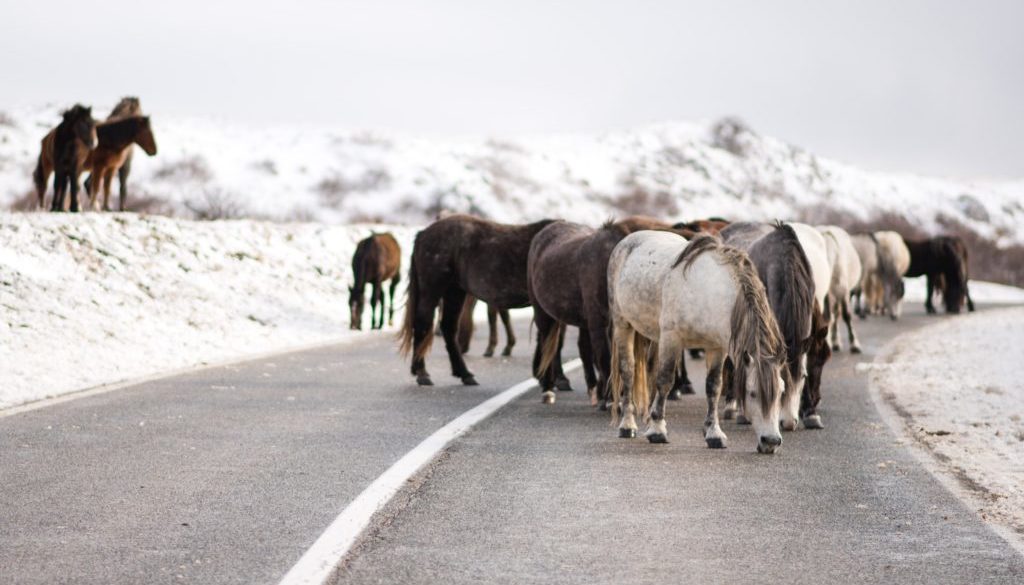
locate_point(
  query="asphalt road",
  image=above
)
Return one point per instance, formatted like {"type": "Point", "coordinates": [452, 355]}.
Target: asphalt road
{"type": "Point", "coordinates": [228, 475]}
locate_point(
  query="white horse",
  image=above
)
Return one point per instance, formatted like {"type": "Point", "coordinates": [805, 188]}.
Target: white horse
{"type": "Point", "coordinates": [671, 295]}
{"type": "Point", "coordinates": [893, 262]}
{"type": "Point", "coordinates": [846, 275]}
{"type": "Point", "coordinates": [868, 291]}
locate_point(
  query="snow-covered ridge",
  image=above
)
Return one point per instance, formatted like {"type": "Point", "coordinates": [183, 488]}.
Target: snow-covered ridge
{"type": "Point", "coordinates": [97, 298]}
{"type": "Point", "coordinates": [674, 170]}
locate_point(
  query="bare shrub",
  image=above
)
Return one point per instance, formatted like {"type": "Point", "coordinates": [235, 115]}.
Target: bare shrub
{"type": "Point", "coordinates": [732, 135]}
{"type": "Point", "coordinates": [334, 188]}
{"type": "Point", "coordinates": [266, 165]}
{"type": "Point", "coordinates": [146, 203]}
{"type": "Point", "coordinates": [7, 120]}
{"type": "Point", "coordinates": [215, 203]}
{"type": "Point", "coordinates": [640, 201]}
{"type": "Point", "coordinates": [193, 168]}
{"type": "Point", "coordinates": [28, 201]}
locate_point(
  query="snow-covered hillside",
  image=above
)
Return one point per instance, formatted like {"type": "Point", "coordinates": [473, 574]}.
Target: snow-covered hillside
{"type": "Point", "coordinates": [96, 298]}
{"type": "Point", "coordinates": [677, 170]}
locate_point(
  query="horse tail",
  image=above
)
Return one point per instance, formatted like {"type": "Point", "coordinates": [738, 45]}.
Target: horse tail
{"type": "Point", "coordinates": [640, 396]}
{"type": "Point", "coordinates": [549, 350]}
{"type": "Point", "coordinates": [412, 301]}
{"type": "Point", "coordinates": [956, 276]}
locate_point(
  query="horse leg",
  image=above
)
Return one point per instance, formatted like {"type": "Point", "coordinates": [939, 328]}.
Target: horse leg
{"type": "Point", "coordinates": [422, 328]}
{"type": "Point", "coordinates": [602, 361]}
{"type": "Point", "coordinates": [492, 330]}
{"type": "Point", "coordinates": [546, 327]}
{"type": "Point", "coordinates": [108, 179]}
{"type": "Point", "coordinates": [731, 409]}
{"type": "Point", "coordinates": [587, 357]}
{"type": "Point", "coordinates": [713, 435]}
{"type": "Point", "coordinates": [122, 179]}
{"type": "Point", "coordinates": [929, 291]}
{"type": "Point", "coordinates": [967, 293]}
{"type": "Point", "coordinates": [847, 318]}
{"type": "Point", "coordinates": [669, 353]}
{"type": "Point", "coordinates": [623, 361]}
{"type": "Point", "coordinates": [510, 335]}
{"type": "Point", "coordinates": [73, 188]}
{"type": "Point", "coordinates": [391, 303]}
{"type": "Point", "coordinates": [376, 300]}
{"type": "Point", "coordinates": [454, 300]}
{"type": "Point", "coordinates": [57, 204]}
{"type": "Point", "coordinates": [831, 312]}
{"type": "Point", "coordinates": [681, 384]}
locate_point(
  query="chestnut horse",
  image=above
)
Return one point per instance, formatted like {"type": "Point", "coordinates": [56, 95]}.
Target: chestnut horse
{"type": "Point", "coordinates": [453, 257]}
{"type": "Point", "coordinates": [115, 145]}
{"type": "Point", "coordinates": [377, 258]}
{"type": "Point", "coordinates": [64, 151]}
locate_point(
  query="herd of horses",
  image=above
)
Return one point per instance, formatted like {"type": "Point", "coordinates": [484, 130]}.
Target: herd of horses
{"type": "Point", "coordinates": [762, 301]}
{"type": "Point", "coordinates": [80, 144]}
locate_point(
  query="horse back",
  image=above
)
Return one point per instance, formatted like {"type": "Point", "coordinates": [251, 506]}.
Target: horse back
{"type": "Point", "coordinates": [553, 270]}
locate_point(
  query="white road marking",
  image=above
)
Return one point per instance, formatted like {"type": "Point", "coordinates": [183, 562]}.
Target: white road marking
{"type": "Point", "coordinates": [317, 565]}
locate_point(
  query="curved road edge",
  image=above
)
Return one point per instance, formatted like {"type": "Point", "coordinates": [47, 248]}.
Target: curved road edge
{"type": "Point", "coordinates": [899, 420]}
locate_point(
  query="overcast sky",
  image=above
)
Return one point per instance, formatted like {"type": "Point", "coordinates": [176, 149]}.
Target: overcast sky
{"type": "Point", "coordinates": [934, 87]}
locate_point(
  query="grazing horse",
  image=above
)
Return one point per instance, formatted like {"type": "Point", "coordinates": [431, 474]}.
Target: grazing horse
{"type": "Point", "coordinates": [867, 294]}
{"type": "Point", "coordinates": [466, 328]}
{"type": "Point", "coordinates": [942, 260]}
{"type": "Point", "coordinates": [786, 274]}
{"type": "Point", "coordinates": [116, 138]}
{"type": "Point", "coordinates": [846, 274]}
{"type": "Point", "coordinates": [893, 262]}
{"type": "Point", "coordinates": [377, 258]}
{"type": "Point", "coordinates": [453, 257]}
{"type": "Point", "coordinates": [568, 285]}
{"type": "Point", "coordinates": [64, 152]}
{"type": "Point", "coordinates": [668, 294]}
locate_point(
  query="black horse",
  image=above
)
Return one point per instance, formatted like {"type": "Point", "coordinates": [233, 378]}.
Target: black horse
{"type": "Point", "coordinates": [942, 260]}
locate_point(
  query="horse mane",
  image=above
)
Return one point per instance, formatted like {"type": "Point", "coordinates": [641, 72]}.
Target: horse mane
{"type": "Point", "coordinates": [128, 106]}
{"type": "Point", "coordinates": [754, 330]}
{"type": "Point", "coordinates": [75, 112]}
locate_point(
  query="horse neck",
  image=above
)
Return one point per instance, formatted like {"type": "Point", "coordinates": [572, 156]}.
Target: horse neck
{"type": "Point", "coordinates": [120, 134]}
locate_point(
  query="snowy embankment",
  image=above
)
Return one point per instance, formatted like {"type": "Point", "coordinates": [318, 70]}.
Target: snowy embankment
{"type": "Point", "coordinates": [678, 170]}
{"type": "Point", "coordinates": [97, 298]}
{"type": "Point", "coordinates": [957, 390]}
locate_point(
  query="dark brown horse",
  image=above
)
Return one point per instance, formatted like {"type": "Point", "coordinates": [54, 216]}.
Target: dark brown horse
{"type": "Point", "coordinates": [942, 260]}
{"type": "Point", "coordinates": [377, 258]}
{"type": "Point", "coordinates": [568, 285]}
{"type": "Point", "coordinates": [453, 257]}
{"type": "Point", "coordinates": [711, 225]}
{"type": "Point", "coordinates": [63, 152]}
{"type": "Point", "coordinates": [115, 145]}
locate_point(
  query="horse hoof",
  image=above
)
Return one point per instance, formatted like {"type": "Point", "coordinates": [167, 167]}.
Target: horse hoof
{"type": "Point", "coordinates": [469, 381]}
{"type": "Point", "coordinates": [592, 393]}
{"type": "Point", "coordinates": [742, 420]}
{"type": "Point", "coordinates": [424, 381]}
{"type": "Point", "coordinates": [765, 449]}
{"type": "Point", "coordinates": [489, 353]}
{"type": "Point", "coordinates": [715, 443]}
{"type": "Point", "coordinates": [603, 406]}
{"type": "Point", "coordinates": [547, 397]}
{"type": "Point", "coordinates": [657, 438]}
{"type": "Point", "coordinates": [562, 385]}
{"type": "Point", "coordinates": [813, 422]}
{"type": "Point", "coordinates": [627, 433]}
{"type": "Point", "coordinates": [788, 425]}
{"type": "Point", "coordinates": [837, 347]}
{"type": "Point", "coordinates": [688, 389]}
{"type": "Point", "coordinates": [506, 352]}
{"type": "Point", "coordinates": [855, 349]}
{"type": "Point", "coordinates": [675, 394]}
{"type": "Point", "coordinates": [728, 413]}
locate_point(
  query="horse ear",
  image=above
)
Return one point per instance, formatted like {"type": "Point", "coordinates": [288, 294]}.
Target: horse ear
{"type": "Point", "coordinates": [805, 345]}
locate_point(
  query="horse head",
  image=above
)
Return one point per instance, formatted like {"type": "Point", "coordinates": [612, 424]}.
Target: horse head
{"type": "Point", "coordinates": [79, 118]}
{"type": "Point", "coordinates": [145, 137]}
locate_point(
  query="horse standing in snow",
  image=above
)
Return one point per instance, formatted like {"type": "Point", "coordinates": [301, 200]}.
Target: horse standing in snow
{"type": "Point", "coordinates": [377, 258]}
{"type": "Point", "coordinates": [668, 294]}
{"type": "Point", "coordinates": [846, 274]}
{"type": "Point", "coordinates": [63, 152]}
{"type": "Point", "coordinates": [116, 138]}
{"type": "Point", "coordinates": [453, 257]}
{"type": "Point", "coordinates": [942, 261]}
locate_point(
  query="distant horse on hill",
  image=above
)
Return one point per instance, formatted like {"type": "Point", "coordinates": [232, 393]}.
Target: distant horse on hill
{"type": "Point", "coordinates": [377, 258]}
{"type": "Point", "coordinates": [63, 152]}
{"type": "Point", "coordinates": [671, 294]}
{"type": "Point", "coordinates": [453, 257]}
{"type": "Point", "coordinates": [115, 145]}
{"type": "Point", "coordinates": [942, 260]}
